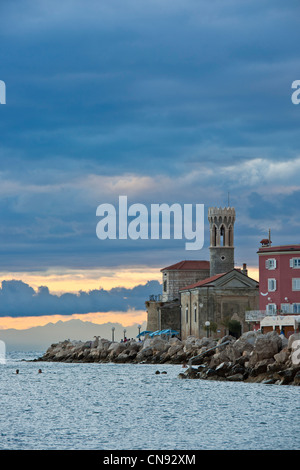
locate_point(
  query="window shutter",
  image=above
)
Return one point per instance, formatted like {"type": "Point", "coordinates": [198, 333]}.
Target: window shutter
{"type": "Point", "coordinates": [267, 264]}
{"type": "Point", "coordinates": [291, 262]}
{"type": "Point", "coordinates": [275, 263]}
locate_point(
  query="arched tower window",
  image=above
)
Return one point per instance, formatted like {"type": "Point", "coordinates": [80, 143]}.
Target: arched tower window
{"type": "Point", "coordinates": [214, 236]}
{"type": "Point", "coordinates": [221, 222]}
{"type": "Point", "coordinates": [230, 236]}
{"type": "Point", "coordinates": [222, 236]}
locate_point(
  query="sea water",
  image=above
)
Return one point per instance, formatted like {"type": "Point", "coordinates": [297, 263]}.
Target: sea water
{"type": "Point", "coordinates": [128, 406]}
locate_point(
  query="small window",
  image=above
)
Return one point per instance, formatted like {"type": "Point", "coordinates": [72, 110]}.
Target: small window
{"type": "Point", "coordinates": [165, 286]}
{"type": "Point", "coordinates": [271, 285]}
{"type": "Point", "coordinates": [271, 309]}
{"type": "Point", "coordinates": [295, 263]}
{"type": "Point", "coordinates": [285, 308]}
{"type": "Point", "coordinates": [271, 263]}
{"type": "Point", "coordinates": [296, 308]}
{"type": "Point", "coordinates": [195, 313]}
{"type": "Point", "coordinates": [296, 284]}
{"type": "Point", "coordinates": [187, 314]}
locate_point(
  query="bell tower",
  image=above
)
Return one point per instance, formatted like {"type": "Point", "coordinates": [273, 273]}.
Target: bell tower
{"type": "Point", "coordinates": [221, 222]}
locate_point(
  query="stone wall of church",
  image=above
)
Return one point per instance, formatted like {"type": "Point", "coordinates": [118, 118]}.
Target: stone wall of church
{"type": "Point", "coordinates": [163, 315]}
{"type": "Point", "coordinates": [170, 316]}
{"type": "Point", "coordinates": [153, 319]}
{"type": "Point", "coordinates": [221, 260]}
{"type": "Point", "coordinates": [216, 306]}
{"type": "Point", "coordinates": [175, 280]}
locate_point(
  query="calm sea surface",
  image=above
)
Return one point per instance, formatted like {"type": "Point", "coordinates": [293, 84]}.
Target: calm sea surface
{"type": "Point", "coordinates": [114, 406]}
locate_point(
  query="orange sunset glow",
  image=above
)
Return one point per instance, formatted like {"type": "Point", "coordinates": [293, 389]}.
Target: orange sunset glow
{"type": "Point", "coordinates": [67, 280]}
{"type": "Point", "coordinates": [60, 281]}
{"type": "Point", "coordinates": [124, 318]}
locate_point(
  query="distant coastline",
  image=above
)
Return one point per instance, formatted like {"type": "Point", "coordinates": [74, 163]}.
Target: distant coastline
{"type": "Point", "coordinates": [38, 338]}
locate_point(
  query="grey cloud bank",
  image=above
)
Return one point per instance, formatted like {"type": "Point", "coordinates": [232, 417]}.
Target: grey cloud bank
{"type": "Point", "coordinates": [18, 299]}
{"type": "Point", "coordinates": [163, 101]}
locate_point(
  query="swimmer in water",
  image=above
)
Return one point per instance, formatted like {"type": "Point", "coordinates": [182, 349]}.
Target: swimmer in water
{"type": "Point", "coordinates": [17, 371]}
{"type": "Point", "coordinates": [40, 371]}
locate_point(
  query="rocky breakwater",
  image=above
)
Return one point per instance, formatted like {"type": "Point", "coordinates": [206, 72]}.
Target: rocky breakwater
{"type": "Point", "coordinates": [254, 357]}
{"type": "Point", "coordinates": [151, 351]}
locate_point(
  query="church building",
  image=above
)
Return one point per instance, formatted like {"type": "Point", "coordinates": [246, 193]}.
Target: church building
{"type": "Point", "coordinates": [206, 297]}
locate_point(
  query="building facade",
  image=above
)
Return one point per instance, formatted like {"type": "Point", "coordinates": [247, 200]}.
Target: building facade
{"type": "Point", "coordinates": [163, 311]}
{"type": "Point", "coordinates": [217, 305]}
{"type": "Point", "coordinates": [279, 279]}
{"type": "Point", "coordinates": [221, 226]}
{"type": "Point", "coordinates": [197, 292]}
{"type": "Point", "coordinates": [279, 289]}
{"type": "Point", "coordinates": [181, 274]}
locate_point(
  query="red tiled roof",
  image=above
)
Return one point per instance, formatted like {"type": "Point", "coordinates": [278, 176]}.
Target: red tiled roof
{"type": "Point", "coordinates": [208, 280]}
{"type": "Point", "coordinates": [279, 248]}
{"type": "Point", "coordinates": [188, 265]}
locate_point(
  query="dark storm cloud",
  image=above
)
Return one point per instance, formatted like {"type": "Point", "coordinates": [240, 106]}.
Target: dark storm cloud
{"type": "Point", "coordinates": [18, 299]}
{"type": "Point", "coordinates": [190, 98]}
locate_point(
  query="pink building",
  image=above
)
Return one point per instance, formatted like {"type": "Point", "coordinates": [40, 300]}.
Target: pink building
{"type": "Point", "coordinates": [279, 289]}
{"type": "Point", "coordinates": [279, 279]}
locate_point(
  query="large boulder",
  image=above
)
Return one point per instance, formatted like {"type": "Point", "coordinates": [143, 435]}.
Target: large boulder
{"type": "Point", "coordinates": [297, 378]}
{"type": "Point", "coordinates": [225, 339]}
{"type": "Point", "coordinates": [261, 367]}
{"type": "Point", "coordinates": [94, 354]}
{"type": "Point", "coordinates": [159, 345]}
{"type": "Point", "coordinates": [189, 343]}
{"type": "Point", "coordinates": [134, 346]}
{"type": "Point", "coordinates": [245, 342]}
{"type": "Point", "coordinates": [115, 349]}
{"type": "Point", "coordinates": [223, 368]}
{"type": "Point", "coordinates": [294, 347]}
{"type": "Point", "coordinates": [292, 338]}
{"type": "Point", "coordinates": [226, 353]}
{"type": "Point", "coordinates": [103, 344]}
{"type": "Point", "coordinates": [286, 376]}
{"type": "Point", "coordinates": [172, 350]}
{"type": "Point", "coordinates": [175, 340]}
{"type": "Point", "coordinates": [282, 356]}
{"type": "Point", "coordinates": [144, 354]}
{"type": "Point", "coordinates": [265, 347]}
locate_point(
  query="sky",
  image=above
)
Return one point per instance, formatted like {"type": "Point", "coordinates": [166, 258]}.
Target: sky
{"type": "Point", "coordinates": [163, 101]}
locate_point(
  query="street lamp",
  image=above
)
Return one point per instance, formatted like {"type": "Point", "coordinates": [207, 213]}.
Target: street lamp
{"type": "Point", "coordinates": [207, 324]}
{"type": "Point", "coordinates": [113, 334]}
{"type": "Point", "coordinates": [124, 334]}
{"type": "Point", "coordinates": [200, 319]}
{"type": "Point", "coordinates": [139, 327]}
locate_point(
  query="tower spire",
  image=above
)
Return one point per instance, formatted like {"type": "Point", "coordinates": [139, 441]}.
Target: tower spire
{"type": "Point", "coordinates": [221, 221]}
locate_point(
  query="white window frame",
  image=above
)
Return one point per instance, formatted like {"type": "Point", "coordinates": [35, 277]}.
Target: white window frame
{"type": "Point", "coordinates": [271, 264]}
{"type": "Point", "coordinates": [295, 263]}
{"type": "Point", "coordinates": [270, 287]}
{"type": "Point", "coordinates": [296, 308]}
{"type": "Point", "coordinates": [285, 308]}
{"type": "Point", "coordinates": [296, 284]}
{"type": "Point", "coordinates": [271, 310]}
